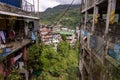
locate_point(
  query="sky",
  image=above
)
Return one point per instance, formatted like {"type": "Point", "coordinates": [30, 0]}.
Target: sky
{"type": "Point", "coordinates": [44, 4]}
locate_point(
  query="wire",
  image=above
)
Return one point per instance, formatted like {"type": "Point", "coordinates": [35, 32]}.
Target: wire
{"type": "Point", "coordinates": [58, 20]}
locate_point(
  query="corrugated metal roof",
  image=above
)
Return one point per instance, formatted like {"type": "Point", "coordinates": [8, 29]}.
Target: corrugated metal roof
{"type": "Point", "coordinates": [65, 32]}
{"type": "Point", "coordinates": [18, 15]}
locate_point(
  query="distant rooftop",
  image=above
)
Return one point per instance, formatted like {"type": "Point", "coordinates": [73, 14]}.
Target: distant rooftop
{"type": "Point", "coordinates": [65, 32]}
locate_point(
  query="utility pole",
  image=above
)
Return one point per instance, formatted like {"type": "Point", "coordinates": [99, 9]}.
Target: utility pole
{"type": "Point", "coordinates": [38, 5]}
{"type": "Point", "coordinates": [38, 9]}
{"type": "Point", "coordinates": [34, 5]}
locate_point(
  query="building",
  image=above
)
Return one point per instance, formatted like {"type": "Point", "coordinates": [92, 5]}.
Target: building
{"type": "Point", "coordinates": [46, 35]}
{"type": "Point", "coordinates": [19, 27]}
{"type": "Point", "coordinates": [70, 35]}
{"type": "Point", "coordinates": [99, 57]}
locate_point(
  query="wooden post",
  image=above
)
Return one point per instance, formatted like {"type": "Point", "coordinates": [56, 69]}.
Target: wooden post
{"type": "Point", "coordinates": [108, 17]}
{"type": "Point", "coordinates": [95, 17]}
{"type": "Point", "coordinates": [34, 5]}
{"type": "Point", "coordinates": [86, 13]}
{"type": "Point", "coordinates": [85, 22]}
{"type": "Point", "coordinates": [110, 13]}
{"type": "Point", "coordinates": [38, 5]}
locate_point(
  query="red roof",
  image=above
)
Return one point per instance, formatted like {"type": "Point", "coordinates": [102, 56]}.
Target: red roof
{"type": "Point", "coordinates": [45, 30]}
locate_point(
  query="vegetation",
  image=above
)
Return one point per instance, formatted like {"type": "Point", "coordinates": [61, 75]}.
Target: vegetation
{"type": "Point", "coordinates": [70, 19]}
{"type": "Point", "coordinates": [14, 75]}
{"type": "Point", "coordinates": [54, 65]}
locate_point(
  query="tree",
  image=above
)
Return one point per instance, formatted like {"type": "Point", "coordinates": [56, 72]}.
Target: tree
{"type": "Point", "coordinates": [14, 75]}
{"type": "Point", "coordinates": [63, 37]}
{"type": "Point", "coordinates": [33, 57]}
{"type": "Point", "coordinates": [54, 65]}
{"type": "Point", "coordinates": [63, 48]}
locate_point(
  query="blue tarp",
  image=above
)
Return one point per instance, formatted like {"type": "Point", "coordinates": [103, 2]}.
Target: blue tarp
{"type": "Point", "coordinates": [5, 51]}
{"type": "Point", "coordinates": [84, 33]}
{"type": "Point", "coordinates": [16, 3]}
{"type": "Point", "coordinates": [113, 54]}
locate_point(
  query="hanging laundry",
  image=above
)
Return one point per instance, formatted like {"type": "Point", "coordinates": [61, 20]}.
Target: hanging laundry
{"type": "Point", "coordinates": [2, 37]}
{"type": "Point", "coordinates": [8, 50]}
{"type": "Point", "coordinates": [18, 57]}
{"type": "Point", "coordinates": [21, 65]}
{"type": "Point", "coordinates": [116, 48]}
{"type": "Point", "coordinates": [33, 36]}
{"type": "Point", "coordinates": [12, 34]}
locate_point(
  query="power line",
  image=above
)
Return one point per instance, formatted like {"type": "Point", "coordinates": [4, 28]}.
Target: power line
{"type": "Point", "coordinates": [58, 20]}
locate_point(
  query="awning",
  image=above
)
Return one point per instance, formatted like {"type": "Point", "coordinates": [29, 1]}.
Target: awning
{"type": "Point", "coordinates": [17, 15]}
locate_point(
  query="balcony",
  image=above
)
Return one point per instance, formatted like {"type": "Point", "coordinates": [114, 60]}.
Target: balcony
{"type": "Point", "coordinates": [13, 47]}
{"type": "Point", "coordinates": [26, 6]}
{"type": "Point", "coordinates": [87, 4]}
{"type": "Point", "coordinates": [27, 9]}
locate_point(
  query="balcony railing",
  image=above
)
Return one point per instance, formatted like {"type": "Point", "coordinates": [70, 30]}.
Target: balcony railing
{"type": "Point", "coordinates": [8, 8]}
{"type": "Point", "coordinates": [27, 6]}
{"type": "Point", "coordinates": [90, 3]}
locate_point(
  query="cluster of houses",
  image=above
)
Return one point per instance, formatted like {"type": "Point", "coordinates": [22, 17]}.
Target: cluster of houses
{"type": "Point", "coordinates": [52, 34]}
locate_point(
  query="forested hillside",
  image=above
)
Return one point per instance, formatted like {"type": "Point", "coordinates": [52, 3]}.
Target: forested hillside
{"type": "Point", "coordinates": [70, 19]}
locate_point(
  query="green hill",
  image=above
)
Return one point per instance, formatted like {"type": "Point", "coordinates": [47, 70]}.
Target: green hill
{"type": "Point", "coordinates": [71, 18]}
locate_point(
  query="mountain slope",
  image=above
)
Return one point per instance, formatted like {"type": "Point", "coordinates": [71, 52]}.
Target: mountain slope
{"type": "Point", "coordinates": [70, 19]}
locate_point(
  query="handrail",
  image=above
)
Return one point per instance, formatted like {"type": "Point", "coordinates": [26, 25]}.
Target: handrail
{"type": "Point", "coordinates": [28, 6]}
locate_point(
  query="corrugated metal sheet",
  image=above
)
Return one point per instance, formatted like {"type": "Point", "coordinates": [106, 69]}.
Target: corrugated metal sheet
{"type": "Point", "coordinates": [16, 3]}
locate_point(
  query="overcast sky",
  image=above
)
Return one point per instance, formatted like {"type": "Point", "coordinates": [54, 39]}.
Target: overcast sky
{"type": "Point", "coordinates": [44, 4]}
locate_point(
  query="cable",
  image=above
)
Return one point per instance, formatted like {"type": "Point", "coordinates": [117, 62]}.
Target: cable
{"type": "Point", "coordinates": [58, 20]}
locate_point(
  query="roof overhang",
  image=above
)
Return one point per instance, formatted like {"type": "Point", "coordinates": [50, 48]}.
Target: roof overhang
{"type": "Point", "coordinates": [17, 15]}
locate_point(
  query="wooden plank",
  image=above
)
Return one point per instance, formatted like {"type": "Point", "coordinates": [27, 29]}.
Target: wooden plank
{"type": "Point", "coordinates": [113, 61]}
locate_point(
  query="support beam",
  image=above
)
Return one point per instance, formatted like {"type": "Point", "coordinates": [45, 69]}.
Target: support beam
{"type": "Point", "coordinates": [110, 14]}
{"type": "Point", "coordinates": [95, 17]}
{"type": "Point", "coordinates": [85, 21]}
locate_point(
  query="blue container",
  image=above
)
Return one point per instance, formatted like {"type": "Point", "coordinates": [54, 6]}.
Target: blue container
{"type": "Point", "coordinates": [16, 3]}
